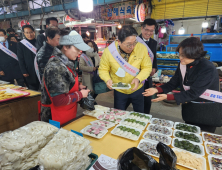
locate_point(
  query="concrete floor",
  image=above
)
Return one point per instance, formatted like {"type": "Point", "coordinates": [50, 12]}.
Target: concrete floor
{"type": "Point", "coordinates": [158, 110]}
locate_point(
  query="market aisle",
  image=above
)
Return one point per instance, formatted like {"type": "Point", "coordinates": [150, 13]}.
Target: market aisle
{"type": "Point", "coordinates": [158, 110]}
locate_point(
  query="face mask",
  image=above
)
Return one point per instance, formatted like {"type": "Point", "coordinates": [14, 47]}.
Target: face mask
{"type": "Point", "coordinates": [2, 39]}
{"type": "Point", "coordinates": [90, 50]}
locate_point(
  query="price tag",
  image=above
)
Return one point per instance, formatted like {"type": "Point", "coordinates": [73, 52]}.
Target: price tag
{"type": "Point", "coordinates": [78, 133]}
{"type": "Point", "coordinates": [54, 123]}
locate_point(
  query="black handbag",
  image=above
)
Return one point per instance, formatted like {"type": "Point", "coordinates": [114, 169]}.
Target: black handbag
{"type": "Point", "coordinates": [99, 86]}
{"type": "Point", "coordinates": [208, 113]}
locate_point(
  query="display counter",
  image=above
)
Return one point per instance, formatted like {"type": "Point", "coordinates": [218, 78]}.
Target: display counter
{"type": "Point", "coordinates": [19, 112]}
{"type": "Point", "coordinates": [109, 145]}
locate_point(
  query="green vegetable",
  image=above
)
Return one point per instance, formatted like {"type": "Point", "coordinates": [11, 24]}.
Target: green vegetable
{"type": "Point", "coordinates": [186, 145]}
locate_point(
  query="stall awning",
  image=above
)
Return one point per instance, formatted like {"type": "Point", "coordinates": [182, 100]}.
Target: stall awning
{"type": "Point", "coordinates": [193, 8]}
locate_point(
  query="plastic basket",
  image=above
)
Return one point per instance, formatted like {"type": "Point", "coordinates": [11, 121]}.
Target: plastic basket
{"type": "Point", "coordinates": [94, 158]}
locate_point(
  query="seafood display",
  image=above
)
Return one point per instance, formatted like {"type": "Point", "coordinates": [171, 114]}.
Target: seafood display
{"type": "Point", "coordinates": [139, 117]}
{"type": "Point", "coordinates": [162, 122]}
{"type": "Point", "coordinates": [126, 132]}
{"type": "Point", "coordinates": [157, 137]}
{"type": "Point", "coordinates": [169, 56]}
{"type": "Point", "coordinates": [94, 131]}
{"type": "Point", "coordinates": [148, 147]}
{"type": "Point", "coordinates": [160, 129]}
{"type": "Point", "coordinates": [134, 123]}
{"type": "Point", "coordinates": [110, 118]}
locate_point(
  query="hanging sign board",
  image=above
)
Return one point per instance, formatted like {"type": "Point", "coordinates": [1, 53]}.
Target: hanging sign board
{"type": "Point", "coordinates": [140, 12]}
{"type": "Point", "coordinates": [22, 23]}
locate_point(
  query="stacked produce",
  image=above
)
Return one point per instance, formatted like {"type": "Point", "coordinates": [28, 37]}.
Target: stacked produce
{"type": "Point", "coordinates": [66, 151]}
{"type": "Point", "coordinates": [19, 148]}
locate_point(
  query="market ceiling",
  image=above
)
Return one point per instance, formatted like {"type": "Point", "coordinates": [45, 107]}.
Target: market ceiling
{"type": "Point", "coordinates": [61, 7]}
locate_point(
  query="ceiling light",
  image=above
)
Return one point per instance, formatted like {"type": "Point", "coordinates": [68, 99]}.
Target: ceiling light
{"type": "Point", "coordinates": [181, 31]}
{"type": "Point", "coordinates": [205, 24]}
{"type": "Point", "coordinates": [119, 26]}
{"type": "Point", "coordinates": [87, 32]}
{"type": "Point", "coordinates": [85, 5]}
{"type": "Point", "coordinates": [37, 29]}
{"type": "Point", "coordinates": [163, 29]}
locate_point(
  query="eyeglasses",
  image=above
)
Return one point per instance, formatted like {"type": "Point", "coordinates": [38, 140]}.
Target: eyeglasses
{"type": "Point", "coordinates": [29, 33]}
{"type": "Point", "coordinates": [150, 31]}
{"type": "Point", "coordinates": [131, 45]}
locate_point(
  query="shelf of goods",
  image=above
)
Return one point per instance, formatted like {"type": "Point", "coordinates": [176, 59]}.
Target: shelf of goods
{"type": "Point", "coordinates": [102, 44]}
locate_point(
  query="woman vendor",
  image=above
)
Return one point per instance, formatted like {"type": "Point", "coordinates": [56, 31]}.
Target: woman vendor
{"type": "Point", "coordinates": [195, 75]}
{"type": "Point", "coordinates": [60, 88]}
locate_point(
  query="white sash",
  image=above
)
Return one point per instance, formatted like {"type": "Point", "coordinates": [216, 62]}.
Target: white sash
{"type": "Point", "coordinates": [87, 60]}
{"type": "Point", "coordinates": [125, 65]}
{"type": "Point", "coordinates": [211, 95]}
{"type": "Point", "coordinates": [37, 69]}
{"type": "Point", "coordinates": [9, 52]}
{"type": "Point", "coordinates": [29, 46]}
{"type": "Point", "coordinates": [149, 50]}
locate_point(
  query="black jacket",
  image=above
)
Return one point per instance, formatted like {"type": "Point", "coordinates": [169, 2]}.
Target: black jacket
{"type": "Point", "coordinates": [39, 41]}
{"type": "Point", "coordinates": [26, 61]}
{"type": "Point", "coordinates": [43, 56]}
{"type": "Point", "coordinates": [200, 75]}
{"type": "Point", "coordinates": [9, 65]}
{"type": "Point", "coordinates": [152, 44]}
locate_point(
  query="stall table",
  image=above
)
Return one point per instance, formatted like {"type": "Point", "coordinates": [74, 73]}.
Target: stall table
{"type": "Point", "coordinates": [109, 145]}
{"type": "Point", "coordinates": [19, 112]}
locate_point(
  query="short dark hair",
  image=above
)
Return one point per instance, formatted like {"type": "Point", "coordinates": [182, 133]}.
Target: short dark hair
{"type": "Point", "coordinates": [192, 48]}
{"type": "Point", "coordinates": [27, 26]}
{"type": "Point", "coordinates": [125, 32]}
{"type": "Point", "coordinates": [62, 33]}
{"type": "Point", "coordinates": [50, 19]}
{"type": "Point", "coordinates": [2, 30]}
{"type": "Point", "coordinates": [84, 35]}
{"type": "Point", "coordinates": [10, 30]}
{"type": "Point", "coordinates": [51, 32]}
{"type": "Point", "coordinates": [149, 22]}
{"type": "Point", "coordinates": [10, 36]}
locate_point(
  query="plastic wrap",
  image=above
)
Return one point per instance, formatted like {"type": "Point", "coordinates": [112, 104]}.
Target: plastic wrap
{"type": "Point", "coordinates": [20, 148]}
{"type": "Point", "coordinates": [65, 151]}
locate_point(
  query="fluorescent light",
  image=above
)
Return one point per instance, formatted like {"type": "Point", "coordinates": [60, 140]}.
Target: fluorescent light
{"type": "Point", "coordinates": [205, 24]}
{"type": "Point", "coordinates": [87, 32]}
{"type": "Point", "coordinates": [85, 5]}
{"type": "Point", "coordinates": [163, 29]}
{"type": "Point", "coordinates": [37, 29]}
{"type": "Point", "coordinates": [181, 30]}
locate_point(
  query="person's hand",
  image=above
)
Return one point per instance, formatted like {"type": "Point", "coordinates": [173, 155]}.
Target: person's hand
{"type": "Point", "coordinates": [150, 92]}
{"type": "Point", "coordinates": [2, 73]}
{"type": "Point", "coordinates": [94, 68]}
{"type": "Point", "coordinates": [109, 84]}
{"type": "Point", "coordinates": [160, 98]}
{"type": "Point", "coordinates": [25, 75]}
{"type": "Point", "coordinates": [81, 87]}
{"type": "Point", "coordinates": [85, 93]}
{"type": "Point", "coordinates": [153, 72]}
{"type": "Point", "coordinates": [136, 82]}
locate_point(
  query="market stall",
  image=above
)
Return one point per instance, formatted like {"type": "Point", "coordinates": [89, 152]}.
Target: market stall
{"type": "Point", "coordinates": [17, 111]}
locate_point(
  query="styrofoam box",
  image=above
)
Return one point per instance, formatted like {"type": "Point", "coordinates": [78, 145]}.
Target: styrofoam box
{"type": "Point", "coordinates": [176, 123]}
{"type": "Point", "coordinates": [201, 141]}
{"type": "Point", "coordinates": [171, 122]}
{"type": "Point", "coordinates": [150, 141]}
{"type": "Point", "coordinates": [210, 134]}
{"type": "Point", "coordinates": [207, 150]}
{"type": "Point", "coordinates": [123, 88]}
{"type": "Point", "coordinates": [92, 113]}
{"type": "Point", "coordinates": [128, 116]}
{"type": "Point", "coordinates": [210, 158]}
{"type": "Point", "coordinates": [84, 129]}
{"type": "Point", "coordinates": [150, 132]}
{"type": "Point", "coordinates": [171, 131]}
{"type": "Point", "coordinates": [204, 160]}
{"type": "Point", "coordinates": [122, 122]}
{"type": "Point", "coordinates": [112, 132]}
{"type": "Point", "coordinates": [201, 146]}
{"type": "Point", "coordinates": [108, 127]}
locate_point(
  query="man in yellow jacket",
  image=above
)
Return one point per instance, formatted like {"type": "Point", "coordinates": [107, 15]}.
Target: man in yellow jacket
{"type": "Point", "coordinates": [126, 61]}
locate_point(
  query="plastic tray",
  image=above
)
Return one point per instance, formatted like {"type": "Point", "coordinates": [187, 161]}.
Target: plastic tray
{"type": "Point", "coordinates": [198, 128]}
{"type": "Point", "coordinates": [123, 88]}
{"type": "Point", "coordinates": [201, 147]}
{"type": "Point", "coordinates": [204, 160]}
{"type": "Point", "coordinates": [211, 134]}
{"type": "Point", "coordinates": [150, 132]}
{"type": "Point", "coordinates": [102, 108]}
{"type": "Point", "coordinates": [2, 83]}
{"type": "Point", "coordinates": [201, 141]}
{"type": "Point", "coordinates": [150, 141]}
{"type": "Point", "coordinates": [94, 158]}
{"type": "Point", "coordinates": [122, 122]}
{"type": "Point", "coordinates": [14, 91]}
{"type": "Point", "coordinates": [86, 112]}
{"type": "Point", "coordinates": [171, 122]}
{"type": "Point", "coordinates": [121, 116]}
{"type": "Point", "coordinates": [207, 150]}
{"type": "Point", "coordinates": [83, 131]}
{"type": "Point", "coordinates": [171, 131]}
{"type": "Point", "coordinates": [108, 127]}
{"type": "Point", "coordinates": [210, 158]}
{"type": "Point", "coordinates": [116, 122]}
{"type": "Point", "coordinates": [128, 116]}
{"type": "Point", "coordinates": [127, 127]}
